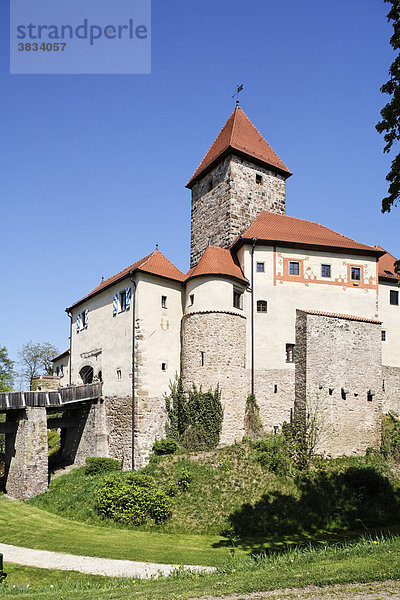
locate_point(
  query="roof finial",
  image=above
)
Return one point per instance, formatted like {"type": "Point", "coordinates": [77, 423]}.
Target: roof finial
{"type": "Point", "coordinates": [156, 247]}
{"type": "Point", "coordinates": [102, 278]}
{"type": "Point", "coordinates": [238, 89]}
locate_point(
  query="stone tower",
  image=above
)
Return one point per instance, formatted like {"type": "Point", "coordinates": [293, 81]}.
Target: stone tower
{"type": "Point", "coordinates": [239, 177]}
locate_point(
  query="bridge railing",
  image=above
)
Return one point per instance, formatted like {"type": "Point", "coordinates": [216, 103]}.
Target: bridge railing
{"type": "Point", "coordinates": [67, 395]}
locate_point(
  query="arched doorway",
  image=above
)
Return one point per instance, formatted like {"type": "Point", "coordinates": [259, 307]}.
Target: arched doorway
{"type": "Point", "coordinates": [86, 374]}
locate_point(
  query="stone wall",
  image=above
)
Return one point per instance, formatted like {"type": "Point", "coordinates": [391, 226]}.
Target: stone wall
{"type": "Point", "coordinates": [338, 362]}
{"type": "Point", "coordinates": [119, 429]}
{"type": "Point", "coordinates": [89, 437]}
{"type": "Point", "coordinates": [26, 460]}
{"type": "Point", "coordinates": [219, 215]}
{"type": "Point", "coordinates": [391, 389]}
{"type": "Point", "coordinates": [274, 391]}
{"type": "Point", "coordinates": [221, 336]}
{"type": "Point", "coordinates": [150, 417]}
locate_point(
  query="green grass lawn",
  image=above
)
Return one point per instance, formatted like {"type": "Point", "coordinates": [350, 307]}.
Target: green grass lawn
{"type": "Point", "coordinates": [362, 561]}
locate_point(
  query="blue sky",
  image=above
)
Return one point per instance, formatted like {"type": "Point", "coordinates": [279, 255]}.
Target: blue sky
{"type": "Point", "coordinates": [93, 167]}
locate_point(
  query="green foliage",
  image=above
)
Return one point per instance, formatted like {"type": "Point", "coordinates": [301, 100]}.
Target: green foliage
{"type": "Point", "coordinates": [391, 437]}
{"type": "Point", "coordinates": [96, 465]}
{"type": "Point", "coordinates": [390, 123]}
{"type": "Point", "coordinates": [132, 499]}
{"type": "Point", "coordinates": [6, 371]}
{"type": "Point", "coordinates": [165, 446]}
{"type": "Point", "coordinates": [195, 418]}
{"type": "Point", "coordinates": [184, 480]}
{"type": "Point", "coordinates": [36, 359]}
{"type": "Point", "coordinates": [273, 454]}
{"type": "Point", "coordinates": [252, 423]}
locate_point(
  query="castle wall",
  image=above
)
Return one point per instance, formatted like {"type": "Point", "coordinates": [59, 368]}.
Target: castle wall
{"type": "Point", "coordinates": [221, 337]}
{"type": "Point", "coordinates": [389, 314]}
{"type": "Point", "coordinates": [391, 389]}
{"type": "Point", "coordinates": [338, 361]}
{"type": "Point", "coordinates": [275, 392]}
{"type": "Point", "coordinates": [219, 215]}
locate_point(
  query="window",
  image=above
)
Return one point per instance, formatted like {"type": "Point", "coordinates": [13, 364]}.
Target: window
{"type": "Point", "coordinates": [260, 267]}
{"type": "Point", "coordinates": [262, 306]}
{"type": "Point", "coordinates": [210, 184]}
{"type": "Point", "coordinates": [290, 353]}
{"type": "Point", "coordinates": [325, 270]}
{"type": "Point", "coordinates": [119, 373]}
{"type": "Point", "coordinates": [259, 179]}
{"type": "Point", "coordinates": [61, 371]}
{"type": "Point", "coordinates": [383, 335]}
{"type": "Point", "coordinates": [275, 388]}
{"type": "Point", "coordinates": [163, 301]}
{"type": "Point", "coordinates": [122, 301]}
{"type": "Point", "coordinates": [355, 273]}
{"type": "Point", "coordinates": [191, 299]}
{"type": "Point", "coordinates": [163, 366]}
{"type": "Point", "coordinates": [394, 297]}
{"type": "Point", "coordinates": [237, 299]}
{"type": "Point", "coordinates": [202, 358]}
{"type": "Point", "coordinates": [57, 371]}
{"type": "Point", "coordinates": [294, 268]}
{"type": "Point", "coordinates": [84, 317]}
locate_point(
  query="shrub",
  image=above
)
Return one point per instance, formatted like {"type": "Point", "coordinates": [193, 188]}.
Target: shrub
{"type": "Point", "coordinates": [132, 499]}
{"type": "Point", "coordinates": [194, 418]}
{"type": "Point", "coordinates": [97, 465]}
{"type": "Point", "coordinates": [273, 454]}
{"type": "Point", "coordinates": [252, 422]}
{"type": "Point", "coordinates": [391, 437]}
{"type": "Point", "coordinates": [185, 479]}
{"type": "Point", "coordinates": [165, 446]}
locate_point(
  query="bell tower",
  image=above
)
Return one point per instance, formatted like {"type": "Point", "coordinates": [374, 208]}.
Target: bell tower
{"type": "Point", "coordinates": [239, 177]}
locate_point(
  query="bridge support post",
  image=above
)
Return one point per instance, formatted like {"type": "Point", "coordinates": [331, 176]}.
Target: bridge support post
{"type": "Point", "coordinates": [26, 460]}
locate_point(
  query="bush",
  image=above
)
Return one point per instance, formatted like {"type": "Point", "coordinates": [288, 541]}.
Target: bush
{"type": "Point", "coordinates": [273, 454]}
{"type": "Point", "coordinates": [194, 418]}
{"type": "Point", "coordinates": [252, 422]}
{"type": "Point", "coordinates": [165, 446]}
{"type": "Point", "coordinates": [391, 437]}
{"type": "Point", "coordinates": [185, 479]}
{"type": "Point", "coordinates": [132, 499]}
{"type": "Point", "coordinates": [97, 465]}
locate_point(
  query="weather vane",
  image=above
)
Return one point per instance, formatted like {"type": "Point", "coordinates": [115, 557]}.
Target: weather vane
{"type": "Point", "coordinates": [238, 89]}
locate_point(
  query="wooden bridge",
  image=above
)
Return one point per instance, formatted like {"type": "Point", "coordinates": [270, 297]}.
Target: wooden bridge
{"type": "Point", "coordinates": [80, 418]}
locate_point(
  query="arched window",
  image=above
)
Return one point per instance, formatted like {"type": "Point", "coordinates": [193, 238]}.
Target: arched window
{"type": "Point", "coordinates": [262, 306]}
{"type": "Point", "coordinates": [86, 374]}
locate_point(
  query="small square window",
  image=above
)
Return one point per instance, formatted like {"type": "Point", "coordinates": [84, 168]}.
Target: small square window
{"type": "Point", "coordinates": [325, 270]}
{"type": "Point", "coordinates": [294, 268]}
{"type": "Point", "coordinates": [163, 366]}
{"type": "Point", "coordinates": [260, 267]}
{"type": "Point", "coordinates": [290, 353]}
{"type": "Point", "coordinates": [259, 179]}
{"type": "Point", "coordinates": [394, 297]}
{"type": "Point", "coordinates": [383, 335]}
{"type": "Point", "coordinates": [356, 273]}
{"type": "Point", "coordinates": [163, 301]}
{"type": "Point", "coordinates": [119, 373]}
{"type": "Point", "coordinates": [122, 301]}
{"type": "Point", "coordinates": [262, 306]}
{"type": "Point", "coordinates": [237, 299]}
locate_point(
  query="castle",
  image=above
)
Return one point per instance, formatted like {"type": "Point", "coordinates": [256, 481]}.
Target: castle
{"type": "Point", "coordinates": [272, 305]}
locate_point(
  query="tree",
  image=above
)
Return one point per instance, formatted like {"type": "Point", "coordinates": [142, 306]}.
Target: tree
{"type": "Point", "coordinates": [6, 371]}
{"type": "Point", "coordinates": [35, 359]}
{"type": "Point", "coordinates": [390, 123]}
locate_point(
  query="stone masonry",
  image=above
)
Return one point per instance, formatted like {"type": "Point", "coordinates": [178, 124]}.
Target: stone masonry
{"type": "Point", "coordinates": [221, 337]}
{"type": "Point", "coordinates": [26, 461]}
{"type": "Point", "coordinates": [338, 377]}
{"type": "Point", "coordinates": [391, 389]}
{"type": "Point", "coordinates": [274, 391]}
{"type": "Point", "coordinates": [227, 199]}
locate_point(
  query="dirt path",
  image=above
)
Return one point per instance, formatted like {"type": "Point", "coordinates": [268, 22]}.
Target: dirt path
{"type": "Point", "coordinates": [87, 564]}
{"type": "Point", "coordinates": [386, 590]}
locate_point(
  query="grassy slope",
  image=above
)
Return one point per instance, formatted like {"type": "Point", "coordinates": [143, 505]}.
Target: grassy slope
{"type": "Point", "coordinates": [364, 561]}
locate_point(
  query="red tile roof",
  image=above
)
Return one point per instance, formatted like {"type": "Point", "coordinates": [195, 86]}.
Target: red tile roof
{"type": "Point", "coordinates": [217, 261]}
{"type": "Point", "coordinates": [240, 134]}
{"type": "Point", "coordinates": [60, 355]}
{"type": "Point", "coordinates": [273, 227]}
{"type": "Point", "coordinates": [155, 263]}
{"type": "Point", "coordinates": [386, 265]}
{"type": "Point", "coordinates": [341, 316]}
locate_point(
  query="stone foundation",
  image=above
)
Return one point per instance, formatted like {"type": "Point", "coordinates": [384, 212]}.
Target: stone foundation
{"type": "Point", "coordinates": [338, 378]}
{"type": "Point", "coordinates": [119, 428]}
{"type": "Point", "coordinates": [89, 436]}
{"type": "Point", "coordinates": [150, 417]}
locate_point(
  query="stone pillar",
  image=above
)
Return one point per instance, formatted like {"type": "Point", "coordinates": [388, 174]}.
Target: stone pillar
{"type": "Point", "coordinates": [88, 437]}
{"type": "Point", "coordinates": [26, 463]}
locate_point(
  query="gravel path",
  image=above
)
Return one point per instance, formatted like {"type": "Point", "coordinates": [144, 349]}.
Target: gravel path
{"type": "Point", "coordinates": [380, 590]}
{"type": "Point", "coordinates": [88, 564]}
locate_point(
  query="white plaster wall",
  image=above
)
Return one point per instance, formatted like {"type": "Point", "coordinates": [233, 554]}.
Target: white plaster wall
{"type": "Point", "coordinates": [276, 328]}
{"type": "Point", "coordinates": [390, 316]}
{"type": "Point", "coordinates": [212, 293]}
{"type": "Point", "coordinates": [64, 362]}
